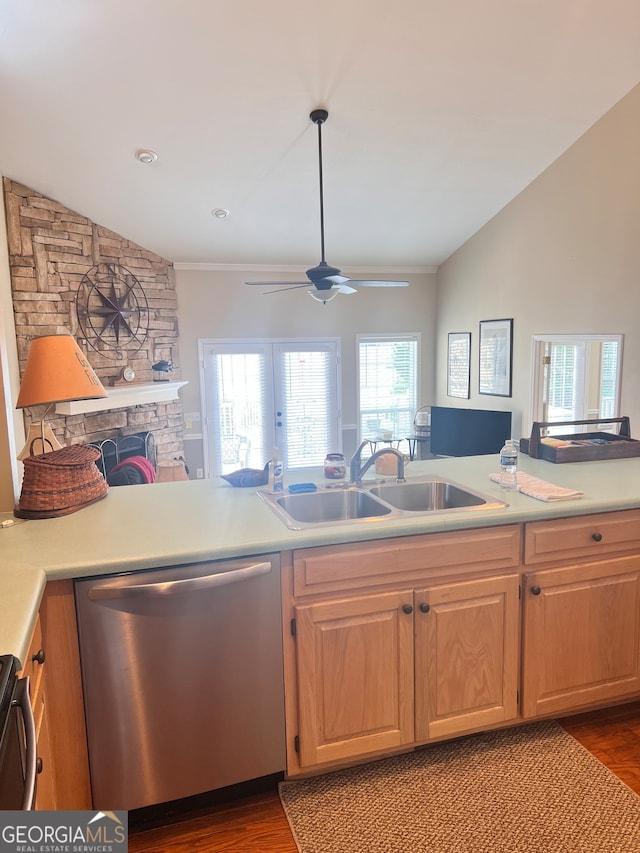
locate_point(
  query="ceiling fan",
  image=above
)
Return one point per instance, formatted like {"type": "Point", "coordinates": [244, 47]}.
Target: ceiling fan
{"type": "Point", "coordinates": [327, 281]}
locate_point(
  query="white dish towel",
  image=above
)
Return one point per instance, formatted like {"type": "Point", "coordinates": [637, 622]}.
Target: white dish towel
{"type": "Point", "coordinates": [540, 489]}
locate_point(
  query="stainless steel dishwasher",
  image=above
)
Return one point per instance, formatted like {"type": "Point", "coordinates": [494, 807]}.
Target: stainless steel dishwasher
{"type": "Point", "coordinates": [183, 680]}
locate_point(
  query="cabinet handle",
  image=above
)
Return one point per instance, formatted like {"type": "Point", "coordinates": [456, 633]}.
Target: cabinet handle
{"type": "Point", "coordinates": [39, 656]}
{"type": "Point", "coordinates": [407, 608]}
{"type": "Point", "coordinates": [597, 537]}
{"type": "Point", "coordinates": [39, 765]}
{"type": "Point", "coordinates": [424, 607]}
{"type": "Point", "coordinates": [536, 590]}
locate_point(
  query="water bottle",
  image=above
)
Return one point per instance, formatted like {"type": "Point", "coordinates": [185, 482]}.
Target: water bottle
{"type": "Point", "coordinates": [509, 467]}
{"type": "Point", "coordinates": [276, 484]}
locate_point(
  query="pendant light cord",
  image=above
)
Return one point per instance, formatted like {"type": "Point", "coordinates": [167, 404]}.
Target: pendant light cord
{"type": "Point", "coordinates": [319, 123]}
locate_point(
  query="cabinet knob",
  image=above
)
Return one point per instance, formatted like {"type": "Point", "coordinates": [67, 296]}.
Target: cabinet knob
{"type": "Point", "coordinates": [424, 607]}
{"type": "Point", "coordinates": [39, 765]}
{"type": "Point", "coordinates": [536, 590]}
{"type": "Point", "coordinates": [597, 537]}
{"type": "Point", "coordinates": [407, 608]}
{"type": "Point", "coordinates": [39, 656]}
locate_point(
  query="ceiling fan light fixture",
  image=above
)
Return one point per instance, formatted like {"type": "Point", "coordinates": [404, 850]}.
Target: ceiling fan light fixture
{"type": "Point", "coordinates": [323, 296]}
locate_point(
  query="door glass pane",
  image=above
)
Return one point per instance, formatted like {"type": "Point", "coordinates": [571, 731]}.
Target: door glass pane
{"type": "Point", "coordinates": [308, 428]}
{"type": "Point", "coordinates": [239, 430]}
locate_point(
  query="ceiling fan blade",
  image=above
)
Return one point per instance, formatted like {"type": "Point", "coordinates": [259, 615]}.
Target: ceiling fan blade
{"type": "Point", "coordinates": [280, 283]}
{"type": "Point", "coordinates": [294, 286]}
{"type": "Point", "coordinates": [344, 288]}
{"type": "Point", "coordinates": [336, 279]}
{"type": "Point", "coordinates": [379, 283]}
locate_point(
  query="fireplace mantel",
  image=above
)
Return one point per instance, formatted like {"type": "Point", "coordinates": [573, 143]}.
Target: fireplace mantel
{"type": "Point", "coordinates": [124, 397]}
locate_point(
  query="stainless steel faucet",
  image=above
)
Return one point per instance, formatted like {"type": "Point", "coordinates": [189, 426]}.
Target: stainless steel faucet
{"type": "Point", "coordinates": [357, 469]}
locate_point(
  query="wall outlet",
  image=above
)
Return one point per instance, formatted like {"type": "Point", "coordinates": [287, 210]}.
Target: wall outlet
{"type": "Point", "coordinates": [199, 473]}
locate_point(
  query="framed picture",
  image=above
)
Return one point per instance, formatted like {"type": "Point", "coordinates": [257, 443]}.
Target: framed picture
{"type": "Point", "coordinates": [459, 364]}
{"type": "Point", "coordinates": [496, 342]}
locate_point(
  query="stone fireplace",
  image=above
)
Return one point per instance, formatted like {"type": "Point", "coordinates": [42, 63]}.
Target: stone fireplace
{"type": "Point", "coordinates": [51, 251]}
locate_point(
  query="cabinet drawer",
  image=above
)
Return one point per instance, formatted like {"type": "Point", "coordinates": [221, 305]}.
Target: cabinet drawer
{"type": "Point", "coordinates": [408, 559]}
{"type": "Point", "coordinates": [585, 536]}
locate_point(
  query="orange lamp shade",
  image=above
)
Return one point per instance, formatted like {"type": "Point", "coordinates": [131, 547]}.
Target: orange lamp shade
{"type": "Point", "coordinates": [57, 371]}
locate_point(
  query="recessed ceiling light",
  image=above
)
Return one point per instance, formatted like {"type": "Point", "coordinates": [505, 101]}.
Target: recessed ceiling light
{"type": "Point", "coordinates": [146, 155]}
{"type": "Point", "coordinates": [220, 213]}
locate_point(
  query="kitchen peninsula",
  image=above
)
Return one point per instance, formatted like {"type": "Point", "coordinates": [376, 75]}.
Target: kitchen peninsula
{"type": "Point", "coordinates": [415, 566]}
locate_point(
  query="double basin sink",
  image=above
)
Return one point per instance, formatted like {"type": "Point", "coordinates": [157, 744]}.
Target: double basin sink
{"type": "Point", "coordinates": [382, 500]}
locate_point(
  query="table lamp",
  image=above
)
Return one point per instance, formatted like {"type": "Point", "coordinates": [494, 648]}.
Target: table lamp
{"type": "Point", "coordinates": [56, 371]}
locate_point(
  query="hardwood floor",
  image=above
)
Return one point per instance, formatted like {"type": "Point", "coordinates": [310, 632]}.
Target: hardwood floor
{"type": "Point", "coordinates": [257, 824]}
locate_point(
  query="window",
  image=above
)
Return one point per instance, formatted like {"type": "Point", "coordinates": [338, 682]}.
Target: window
{"type": "Point", "coordinates": [576, 377]}
{"type": "Point", "coordinates": [387, 383]}
{"type": "Point", "coordinates": [261, 394]}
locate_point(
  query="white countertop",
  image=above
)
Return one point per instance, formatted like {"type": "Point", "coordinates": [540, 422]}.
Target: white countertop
{"type": "Point", "coordinates": [164, 524]}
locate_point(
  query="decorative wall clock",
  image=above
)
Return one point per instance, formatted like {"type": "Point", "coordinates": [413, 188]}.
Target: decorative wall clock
{"type": "Point", "coordinates": [112, 309]}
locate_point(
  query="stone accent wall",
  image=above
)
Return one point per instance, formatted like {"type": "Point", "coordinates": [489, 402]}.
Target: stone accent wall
{"type": "Point", "coordinates": [50, 250]}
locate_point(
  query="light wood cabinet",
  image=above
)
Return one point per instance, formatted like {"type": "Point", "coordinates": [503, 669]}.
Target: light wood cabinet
{"type": "Point", "coordinates": [35, 668]}
{"type": "Point", "coordinates": [467, 644]}
{"type": "Point", "coordinates": [53, 666]}
{"type": "Point", "coordinates": [355, 676]}
{"type": "Point", "coordinates": [581, 640]}
{"type": "Point", "coordinates": [376, 671]}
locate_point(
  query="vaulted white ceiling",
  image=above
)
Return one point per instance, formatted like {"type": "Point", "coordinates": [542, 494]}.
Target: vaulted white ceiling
{"type": "Point", "coordinates": [440, 112]}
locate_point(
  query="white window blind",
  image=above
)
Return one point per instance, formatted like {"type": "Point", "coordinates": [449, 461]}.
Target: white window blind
{"type": "Point", "coordinates": [238, 421]}
{"type": "Point", "coordinates": [388, 384]}
{"type": "Point", "coordinates": [309, 405]}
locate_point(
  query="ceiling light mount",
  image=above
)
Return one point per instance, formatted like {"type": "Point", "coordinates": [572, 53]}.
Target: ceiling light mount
{"type": "Point", "coordinates": [146, 156]}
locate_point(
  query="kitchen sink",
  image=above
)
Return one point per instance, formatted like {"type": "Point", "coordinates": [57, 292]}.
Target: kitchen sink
{"type": "Point", "coordinates": [330, 506]}
{"type": "Point", "coordinates": [346, 504]}
{"type": "Point", "coordinates": [432, 495]}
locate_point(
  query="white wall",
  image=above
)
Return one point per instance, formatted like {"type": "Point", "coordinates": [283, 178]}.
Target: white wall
{"type": "Point", "coordinates": [216, 304]}
{"type": "Point", "coordinates": [563, 257]}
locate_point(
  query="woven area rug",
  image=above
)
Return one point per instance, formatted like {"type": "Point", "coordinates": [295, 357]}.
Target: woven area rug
{"type": "Point", "coordinates": [533, 789]}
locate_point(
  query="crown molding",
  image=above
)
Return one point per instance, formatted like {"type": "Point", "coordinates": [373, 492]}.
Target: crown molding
{"type": "Point", "coordinates": [278, 268]}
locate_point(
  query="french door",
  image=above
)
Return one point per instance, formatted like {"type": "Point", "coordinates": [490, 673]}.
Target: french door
{"type": "Point", "coordinates": [261, 394]}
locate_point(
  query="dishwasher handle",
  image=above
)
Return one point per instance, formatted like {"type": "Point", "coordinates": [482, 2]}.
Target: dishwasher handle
{"type": "Point", "coordinates": [163, 588]}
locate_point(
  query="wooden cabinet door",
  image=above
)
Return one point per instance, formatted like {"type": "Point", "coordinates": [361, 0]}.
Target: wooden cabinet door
{"type": "Point", "coordinates": [581, 638]}
{"type": "Point", "coordinates": [467, 654]}
{"type": "Point", "coordinates": [355, 676]}
{"type": "Point", "coordinates": [45, 785]}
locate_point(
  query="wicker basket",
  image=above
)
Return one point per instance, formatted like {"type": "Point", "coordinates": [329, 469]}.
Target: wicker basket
{"type": "Point", "coordinates": [60, 482]}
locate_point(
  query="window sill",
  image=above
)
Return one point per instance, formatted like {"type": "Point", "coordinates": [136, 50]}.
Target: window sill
{"type": "Point", "coordinates": [123, 398]}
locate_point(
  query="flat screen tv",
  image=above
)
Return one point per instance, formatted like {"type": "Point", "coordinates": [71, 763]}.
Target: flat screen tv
{"type": "Point", "coordinates": [468, 432]}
